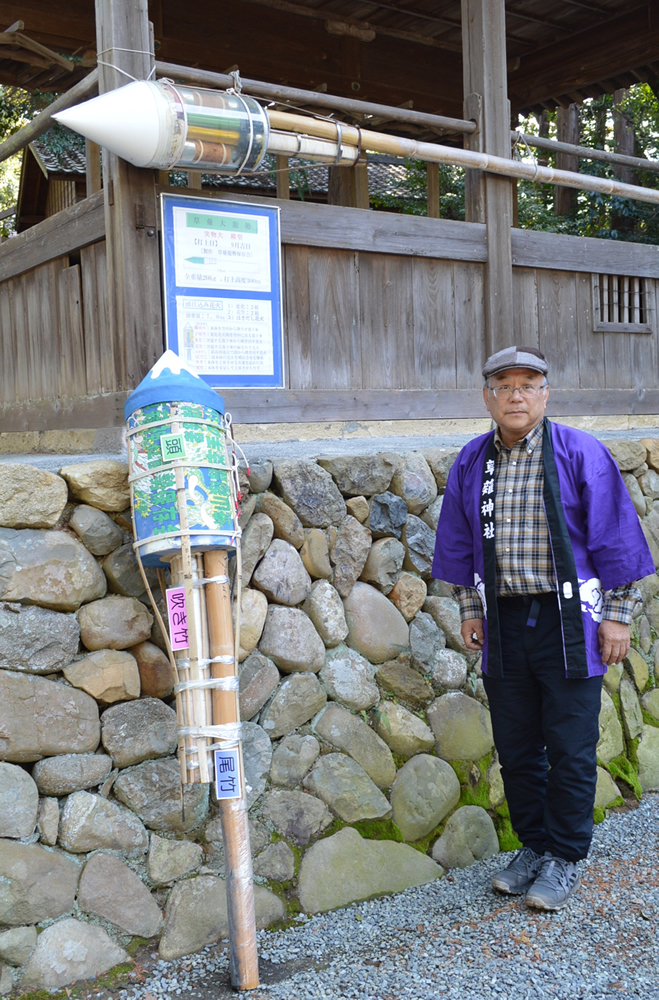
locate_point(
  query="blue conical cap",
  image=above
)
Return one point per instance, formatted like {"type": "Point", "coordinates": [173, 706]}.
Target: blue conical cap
{"type": "Point", "coordinates": [171, 380]}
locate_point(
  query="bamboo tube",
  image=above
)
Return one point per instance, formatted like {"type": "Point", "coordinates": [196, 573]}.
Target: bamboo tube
{"type": "Point", "coordinates": [233, 812]}
{"type": "Point", "coordinates": [377, 142]}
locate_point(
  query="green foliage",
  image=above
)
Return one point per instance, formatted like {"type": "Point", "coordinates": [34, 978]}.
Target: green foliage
{"type": "Point", "coordinates": [599, 815]}
{"type": "Point", "coordinates": [408, 195]}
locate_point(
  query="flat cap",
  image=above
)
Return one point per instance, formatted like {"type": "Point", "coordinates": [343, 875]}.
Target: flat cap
{"type": "Point", "coordinates": [516, 357]}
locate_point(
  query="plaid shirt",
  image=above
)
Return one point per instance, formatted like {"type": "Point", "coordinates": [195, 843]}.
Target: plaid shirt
{"type": "Point", "coordinates": [523, 550]}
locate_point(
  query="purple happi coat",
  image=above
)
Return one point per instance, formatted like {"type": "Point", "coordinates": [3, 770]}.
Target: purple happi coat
{"type": "Point", "coordinates": [593, 528]}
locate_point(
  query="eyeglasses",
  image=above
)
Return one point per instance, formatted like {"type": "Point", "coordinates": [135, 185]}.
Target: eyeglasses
{"type": "Point", "coordinates": [508, 391]}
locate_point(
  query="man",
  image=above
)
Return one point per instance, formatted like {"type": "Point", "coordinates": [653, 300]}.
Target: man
{"type": "Point", "coordinates": [539, 535]}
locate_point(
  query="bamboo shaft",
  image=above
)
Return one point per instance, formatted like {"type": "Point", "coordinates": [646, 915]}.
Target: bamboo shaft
{"type": "Point", "coordinates": [233, 812]}
{"type": "Point", "coordinates": [19, 140]}
{"type": "Point", "coordinates": [205, 78]}
{"type": "Point", "coordinates": [378, 142]}
{"type": "Point", "coordinates": [586, 153]}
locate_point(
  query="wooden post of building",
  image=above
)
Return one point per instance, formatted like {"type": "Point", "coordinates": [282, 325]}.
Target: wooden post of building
{"type": "Point", "coordinates": [567, 130]}
{"type": "Point", "coordinates": [123, 44]}
{"type": "Point", "coordinates": [282, 177]}
{"type": "Point", "coordinates": [487, 198]}
{"type": "Point", "coordinates": [432, 185]}
{"type": "Point", "coordinates": [92, 167]}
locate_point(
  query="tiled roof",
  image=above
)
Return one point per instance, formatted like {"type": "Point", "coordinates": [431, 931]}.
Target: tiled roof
{"type": "Point", "coordinates": [68, 161]}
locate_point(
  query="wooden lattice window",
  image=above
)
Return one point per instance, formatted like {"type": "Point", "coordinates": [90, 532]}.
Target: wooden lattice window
{"type": "Point", "coordinates": [623, 304]}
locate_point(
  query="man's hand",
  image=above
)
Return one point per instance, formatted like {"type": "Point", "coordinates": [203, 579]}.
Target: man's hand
{"type": "Point", "coordinates": [614, 641]}
{"type": "Point", "coordinates": [472, 634]}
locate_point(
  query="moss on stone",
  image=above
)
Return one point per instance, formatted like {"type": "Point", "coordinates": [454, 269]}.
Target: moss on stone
{"type": "Point", "coordinates": [508, 839]}
{"type": "Point", "coordinates": [334, 827]}
{"type": "Point", "coordinates": [622, 769]}
{"type": "Point", "coordinates": [650, 720]}
{"type": "Point", "coordinates": [599, 815]}
{"type": "Point", "coordinates": [473, 791]}
{"type": "Point", "coordinates": [135, 944]}
{"type": "Point", "coordinates": [379, 829]}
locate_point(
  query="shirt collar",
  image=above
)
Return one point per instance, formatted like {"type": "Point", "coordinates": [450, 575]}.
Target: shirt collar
{"type": "Point", "coordinates": [531, 441]}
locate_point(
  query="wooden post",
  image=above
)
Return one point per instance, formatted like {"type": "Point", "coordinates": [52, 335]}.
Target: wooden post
{"type": "Point", "coordinates": [282, 177]}
{"type": "Point", "coordinates": [233, 812]}
{"type": "Point", "coordinates": [362, 199]}
{"type": "Point", "coordinates": [488, 198]}
{"type": "Point", "coordinates": [194, 180]}
{"type": "Point", "coordinates": [93, 167]}
{"type": "Point", "coordinates": [432, 183]}
{"type": "Point", "coordinates": [123, 42]}
{"type": "Point", "coordinates": [567, 130]}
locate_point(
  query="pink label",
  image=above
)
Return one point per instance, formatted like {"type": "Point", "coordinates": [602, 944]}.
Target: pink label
{"type": "Point", "coordinates": [178, 617]}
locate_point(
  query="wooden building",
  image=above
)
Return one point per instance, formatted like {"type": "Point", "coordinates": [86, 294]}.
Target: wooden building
{"type": "Point", "coordinates": [386, 316]}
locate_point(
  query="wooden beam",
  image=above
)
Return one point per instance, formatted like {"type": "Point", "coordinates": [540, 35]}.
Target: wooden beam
{"type": "Point", "coordinates": [617, 45]}
{"type": "Point", "coordinates": [295, 95]}
{"type": "Point", "coordinates": [123, 37]}
{"type": "Point", "coordinates": [85, 88]}
{"type": "Point", "coordinates": [308, 224]}
{"type": "Point", "coordinates": [557, 252]}
{"type": "Point", "coordinates": [285, 406]}
{"type": "Point", "coordinates": [363, 27]}
{"type": "Point", "coordinates": [484, 73]}
{"type": "Point", "coordinates": [69, 230]}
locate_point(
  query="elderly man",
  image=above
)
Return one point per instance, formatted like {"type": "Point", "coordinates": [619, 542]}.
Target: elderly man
{"type": "Point", "coordinates": [539, 536]}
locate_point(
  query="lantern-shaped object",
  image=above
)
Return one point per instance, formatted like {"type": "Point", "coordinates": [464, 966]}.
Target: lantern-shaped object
{"type": "Point", "coordinates": [164, 125]}
{"type": "Point", "coordinates": [180, 465]}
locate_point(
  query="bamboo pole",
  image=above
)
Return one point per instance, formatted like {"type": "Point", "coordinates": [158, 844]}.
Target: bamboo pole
{"type": "Point", "coordinates": [19, 140]}
{"type": "Point", "coordinates": [586, 153]}
{"type": "Point", "coordinates": [326, 150]}
{"type": "Point", "coordinates": [205, 78]}
{"type": "Point", "coordinates": [233, 812]}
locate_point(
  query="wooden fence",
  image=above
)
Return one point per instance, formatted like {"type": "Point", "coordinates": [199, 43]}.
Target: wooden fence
{"type": "Point", "coordinates": [383, 319]}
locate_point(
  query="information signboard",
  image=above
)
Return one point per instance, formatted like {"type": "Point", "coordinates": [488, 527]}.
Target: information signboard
{"type": "Point", "coordinates": [222, 289]}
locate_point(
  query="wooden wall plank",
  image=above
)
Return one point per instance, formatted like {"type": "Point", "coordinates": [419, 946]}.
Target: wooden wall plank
{"type": "Point", "coordinates": [557, 326]}
{"type": "Point", "coordinates": [297, 317]}
{"type": "Point", "coordinates": [9, 375]}
{"type": "Point", "coordinates": [387, 317]}
{"type": "Point", "coordinates": [334, 295]}
{"type": "Point", "coordinates": [91, 317]}
{"type": "Point", "coordinates": [21, 343]}
{"type": "Point", "coordinates": [72, 372]}
{"type": "Point", "coordinates": [46, 323]}
{"type": "Point", "coordinates": [434, 325]}
{"type": "Point", "coordinates": [590, 346]}
{"type": "Point", "coordinates": [469, 326]}
{"type": "Point", "coordinates": [525, 312]}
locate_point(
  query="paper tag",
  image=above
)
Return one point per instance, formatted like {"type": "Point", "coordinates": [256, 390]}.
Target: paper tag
{"type": "Point", "coordinates": [172, 447]}
{"type": "Point", "coordinates": [227, 774]}
{"type": "Point", "coordinates": [178, 617]}
{"type": "Point", "coordinates": [567, 590]}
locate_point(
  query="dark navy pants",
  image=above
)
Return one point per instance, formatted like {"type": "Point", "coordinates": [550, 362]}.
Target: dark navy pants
{"type": "Point", "coordinates": [546, 733]}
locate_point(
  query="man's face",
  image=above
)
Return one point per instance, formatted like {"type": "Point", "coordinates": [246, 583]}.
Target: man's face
{"type": "Point", "coordinates": [516, 413]}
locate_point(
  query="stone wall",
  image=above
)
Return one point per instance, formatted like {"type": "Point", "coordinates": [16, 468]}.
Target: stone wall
{"type": "Point", "coordinates": [368, 743]}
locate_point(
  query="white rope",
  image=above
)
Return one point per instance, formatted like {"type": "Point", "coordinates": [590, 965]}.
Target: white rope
{"type": "Point", "coordinates": [183, 663]}
{"type": "Point", "coordinates": [217, 683]}
{"type": "Point", "coordinates": [210, 579]}
{"type": "Point", "coordinates": [228, 732]}
{"type": "Point", "coordinates": [137, 52]}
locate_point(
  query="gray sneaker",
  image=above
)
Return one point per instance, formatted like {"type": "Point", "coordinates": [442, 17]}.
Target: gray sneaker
{"type": "Point", "coordinates": [520, 874]}
{"type": "Point", "coordinates": [552, 889]}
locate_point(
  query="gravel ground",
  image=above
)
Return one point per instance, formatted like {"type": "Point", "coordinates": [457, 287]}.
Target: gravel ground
{"type": "Point", "coordinates": [456, 939]}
